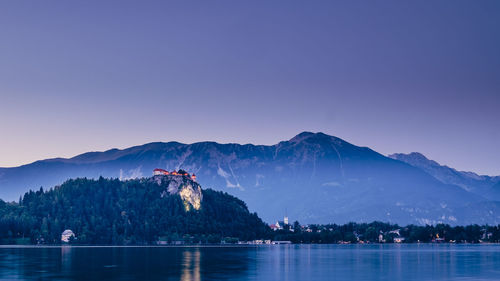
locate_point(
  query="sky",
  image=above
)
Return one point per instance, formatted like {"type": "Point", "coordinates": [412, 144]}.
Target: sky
{"type": "Point", "coordinates": [396, 76]}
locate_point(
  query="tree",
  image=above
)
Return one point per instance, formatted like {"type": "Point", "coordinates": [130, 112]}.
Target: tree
{"type": "Point", "coordinates": [371, 234]}
{"type": "Point", "coordinates": [296, 227]}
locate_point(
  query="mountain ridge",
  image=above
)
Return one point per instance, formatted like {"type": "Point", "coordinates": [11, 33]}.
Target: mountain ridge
{"type": "Point", "coordinates": [469, 181]}
{"type": "Point", "coordinates": [316, 177]}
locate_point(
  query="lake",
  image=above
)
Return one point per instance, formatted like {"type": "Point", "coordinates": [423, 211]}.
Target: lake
{"type": "Point", "coordinates": [266, 262]}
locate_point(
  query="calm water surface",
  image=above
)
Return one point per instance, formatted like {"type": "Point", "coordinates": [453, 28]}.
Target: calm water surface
{"type": "Point", "coordinates": [270, 262]}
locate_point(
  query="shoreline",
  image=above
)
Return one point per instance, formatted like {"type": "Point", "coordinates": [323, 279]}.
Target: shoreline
{"type": "Point", "coordinates": [7, 246]}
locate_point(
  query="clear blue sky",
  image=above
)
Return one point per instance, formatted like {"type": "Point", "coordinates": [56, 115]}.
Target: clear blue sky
{"type": "Point", "coordinates": [398, 76]}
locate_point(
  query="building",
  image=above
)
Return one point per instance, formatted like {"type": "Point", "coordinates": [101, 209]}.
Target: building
{"type": "Point", "coordinates": [157, 172]}
{"type": "Point", "coordinates": [280, 224]}
{"type": "Point", "coordinates": [162, 172]}
{"type": "Point", "coordinates": [438, 239]}
{"type": "Point", "coordinates": [381, 238]}
{"type": "Point", "coordinates": [395, 232]}
{"type": "Point", "coordinates": [399, 239]}
{"type": "Point", "coordinates": [66, 236]}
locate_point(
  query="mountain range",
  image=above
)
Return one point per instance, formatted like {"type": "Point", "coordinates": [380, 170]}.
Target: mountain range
{"type": "Point", "coordinates": [312, 178]}
{"type": "Point", "coordinates": [486, 186]}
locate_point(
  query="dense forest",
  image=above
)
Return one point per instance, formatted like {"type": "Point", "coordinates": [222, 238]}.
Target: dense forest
{"type": "Point", "coordinates": [110, 211]}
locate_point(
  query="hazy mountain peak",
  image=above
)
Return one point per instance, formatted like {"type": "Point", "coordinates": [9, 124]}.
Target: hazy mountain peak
{"type": "Point", "coordinates": [310, 137]}
{"type": "Point", "coordinates": [414, 159]}
{"type": "Point", "coordinates": [418, 155]}
{"type": "Point", "coordinates": [302, 136]}
{"type": "Point", "coordinates": [468, 181]}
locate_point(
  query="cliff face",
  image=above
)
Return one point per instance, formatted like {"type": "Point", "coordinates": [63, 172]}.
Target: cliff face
{"type": "Point", "coordinates": [188, 190]}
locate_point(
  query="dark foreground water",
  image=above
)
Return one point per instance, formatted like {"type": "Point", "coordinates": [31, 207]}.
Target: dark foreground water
{"type": "Point", "coordinates": [270, 262]}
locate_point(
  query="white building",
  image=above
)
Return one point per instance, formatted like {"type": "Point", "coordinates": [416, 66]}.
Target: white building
{"type": "Point", "coordinates": [66, 235]}
{"type": "Point", "coordinates": [281, 224]}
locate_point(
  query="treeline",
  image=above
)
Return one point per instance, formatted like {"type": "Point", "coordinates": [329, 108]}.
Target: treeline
{"type": "Point", "coordinates": [118, 212]}
{"type": "Point", "coordinates": [379, 232]}
{"type": "Point", "coordinates": [140, 212]}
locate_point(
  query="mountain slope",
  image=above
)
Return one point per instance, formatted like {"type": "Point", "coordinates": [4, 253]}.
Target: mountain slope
{"type": "Point", "coordinates": [469, 181]}
{"type": "Point", "coordinates": [313, 177]}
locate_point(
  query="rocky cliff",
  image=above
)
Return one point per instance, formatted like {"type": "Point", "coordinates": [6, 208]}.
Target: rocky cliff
{"type": "Point", "coordinates": [188, 190]}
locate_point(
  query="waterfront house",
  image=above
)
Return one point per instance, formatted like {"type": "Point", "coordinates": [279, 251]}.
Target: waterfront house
{"type": "Point", "coordinates": [66, 236]}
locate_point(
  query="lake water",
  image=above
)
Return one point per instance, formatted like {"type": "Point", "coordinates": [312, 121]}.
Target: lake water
{"type": "Point", "coordinates": [269, 262]}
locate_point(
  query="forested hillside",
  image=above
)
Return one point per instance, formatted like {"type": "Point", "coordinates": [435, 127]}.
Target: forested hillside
{"type": "Point", "coordinates": [141, 211]}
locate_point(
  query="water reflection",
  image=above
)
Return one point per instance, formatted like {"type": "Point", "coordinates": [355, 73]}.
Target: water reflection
{"type": "Point", "coordinates": [66, 258]}
{"type": "Point", "coordinates": [286, 262]}
{"type": "Point", "coordinates": [191, 265]}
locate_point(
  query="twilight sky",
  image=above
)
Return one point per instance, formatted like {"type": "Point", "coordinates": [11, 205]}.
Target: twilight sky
{"type": "Point", "coordinates": [397, 76]}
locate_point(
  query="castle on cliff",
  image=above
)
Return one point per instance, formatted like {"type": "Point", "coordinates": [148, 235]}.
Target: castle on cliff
{"type": "Point", "coordinates": [160, 172]}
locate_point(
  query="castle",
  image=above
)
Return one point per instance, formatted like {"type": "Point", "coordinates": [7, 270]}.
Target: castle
{"type": "Point", "coordinates": [158, 172]}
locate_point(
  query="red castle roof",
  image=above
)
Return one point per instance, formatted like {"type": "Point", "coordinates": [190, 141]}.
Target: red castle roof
{"type": "Point", "coordinates": [174, 173]}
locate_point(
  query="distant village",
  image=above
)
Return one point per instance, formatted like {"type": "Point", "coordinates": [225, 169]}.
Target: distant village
{"type": "Point", "coordinates": [378, 232]}
{"type": "Point", "coordinates": [285, 226]}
